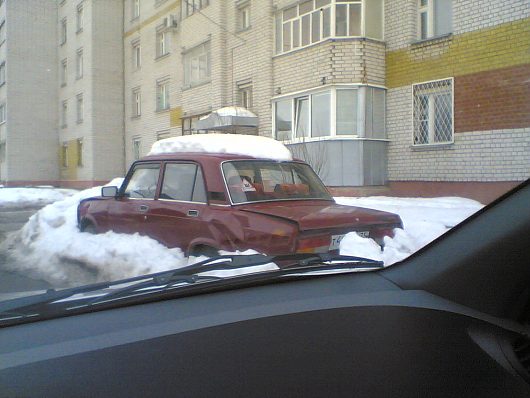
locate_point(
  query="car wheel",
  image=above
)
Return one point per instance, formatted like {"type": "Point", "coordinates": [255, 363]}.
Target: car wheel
{"type": "Point", "coordinates": [90, 228]}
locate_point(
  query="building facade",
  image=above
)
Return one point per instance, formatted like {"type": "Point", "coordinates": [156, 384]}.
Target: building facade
{"type": "Point", "coordinates": [404, 96]}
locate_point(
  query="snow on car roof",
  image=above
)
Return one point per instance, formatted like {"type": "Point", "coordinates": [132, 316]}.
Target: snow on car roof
{"type": "Point", "coordinates": [239, 144]}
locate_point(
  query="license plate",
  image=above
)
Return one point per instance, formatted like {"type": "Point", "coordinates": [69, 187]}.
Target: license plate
{"type": "Point", "coordinates": [363, 234]}
{"type": "Point", "coordinates": [335, 242]}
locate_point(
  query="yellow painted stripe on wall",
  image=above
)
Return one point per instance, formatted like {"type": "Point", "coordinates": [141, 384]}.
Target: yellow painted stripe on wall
{"type": "Point", "coordinates": [478, 51]}
{"type": "Point", "coordinates": [152, 19]}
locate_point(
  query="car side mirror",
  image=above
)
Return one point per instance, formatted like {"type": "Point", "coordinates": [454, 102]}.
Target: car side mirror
{"type": "Point", "coordinates": [109, 192]}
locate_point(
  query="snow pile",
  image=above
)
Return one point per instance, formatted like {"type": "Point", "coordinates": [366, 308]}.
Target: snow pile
{"type": "Point", "coordinates": [51, 247]}
{"type": "Point", "coordinates": [32, 197]}
{"type": "Point", "coordinates": [239, 144]}
{"type": "Point", "coordinates": [233, 111]}
{"type": "Point", "coordinates": [424, 219]}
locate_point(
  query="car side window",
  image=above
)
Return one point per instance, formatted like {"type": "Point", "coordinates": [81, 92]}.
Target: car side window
{"type": "Point", "coordinates": [143, 182]}
{"type": "Point", "coordinates": [183, 181]}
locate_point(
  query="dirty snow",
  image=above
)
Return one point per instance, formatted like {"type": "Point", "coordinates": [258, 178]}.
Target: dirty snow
{"type": "Point", "coordinates": [239, 144]}
{"type": "Point", "coordinates": [32, 197]}
{"type": "Point", "coordinates": [424, 219]}
{"type": "Point", "coordinates": [50, 246]}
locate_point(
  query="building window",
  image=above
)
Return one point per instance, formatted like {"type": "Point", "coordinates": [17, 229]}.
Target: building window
{"type": "Point", "coordinates": [64, 31]}
{"type": "Point", "coordinates": [435, 18]}
{"type": "Point", "coordinates": [2, 32]}
{"type": "Point", "coordinates": [64, 155]}
{"type": "Point", "coordinates": [136, 145]}
{"type": "Point", "coordinates": [64, 71]}
{"type": "Point", "coordinates": [2, 73]}
{"type": "Point", "coordinates": [2, 113]}
{"type": "Point", "coordinates": [135, 9]}
{"type": "Point", "coordinates": [244, 94]}
{"type": "Point", "coordinates": [79, 108]}
{"type": "Point", "coordinates": [243, 17]}
{"type": "Point", "coordinates": [189, 7]}
{"type": "Point", "coordinates": [162, 95]}
{"type": "Point", "coordinates": [64, 114]}
{"type": "Point", "coordinates": [80, 152]}
{"type": "Point", "coordinates": [313, 21]}
{"type": "Point", "coordinates": [331, 112]}
{"type": "Point", "coordinates": [162, 47]}
{"type": "Point", "coordinates": [433, 112]}
{"type": "Point", "coordinates": [79, 64]}
{"type": "Point", "coordinates": [136, 102]}
{"type": "Point", "coordinates": [188, 124]}
{"type": "Point", "coordinates": [197, 65]}
{"type": "Point", "coordinates": [136, 55]}
{"type": "Point", "coordinates": [79, 18]}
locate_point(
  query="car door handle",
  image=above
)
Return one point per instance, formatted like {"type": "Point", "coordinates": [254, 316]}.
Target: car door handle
{"type": "Point", "coordinates": [143, 208]}
{"type": "Point", "coordinates": [193, 213]}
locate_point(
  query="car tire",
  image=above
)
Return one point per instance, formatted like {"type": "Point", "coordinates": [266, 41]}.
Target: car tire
{"type": "Point", "coordinates": [202, 250]}
{"type": "Point", "coordinates": [90, 229]}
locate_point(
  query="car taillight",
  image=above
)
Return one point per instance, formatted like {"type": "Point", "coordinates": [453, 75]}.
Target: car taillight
{"type": "Point", "coordinates": [314, 244]}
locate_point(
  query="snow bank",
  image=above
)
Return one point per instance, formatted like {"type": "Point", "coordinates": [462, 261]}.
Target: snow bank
{"type": "Point", "coordinates": [424, 219]}
{"type": "Point", "coordinates": [32, 197]}
{"type": "Point", "coordinates": [239, 144]}
{"type": "Point", "coordinates": [51, 247]}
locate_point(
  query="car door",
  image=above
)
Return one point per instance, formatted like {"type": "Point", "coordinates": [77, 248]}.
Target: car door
{"type": "Point", "coordinates": [128, 212]}
{"type": "Point", "coordinates": [179, 215]}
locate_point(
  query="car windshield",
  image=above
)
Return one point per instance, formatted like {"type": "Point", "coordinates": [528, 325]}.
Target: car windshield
{"type": "Point", "coordinates": [255, 181]}
{"type": "Point", "coordinates": [275, 127]}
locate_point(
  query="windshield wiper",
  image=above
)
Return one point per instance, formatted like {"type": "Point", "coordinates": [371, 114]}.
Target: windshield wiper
{"type": "Point", "coordinates": [38, 306]}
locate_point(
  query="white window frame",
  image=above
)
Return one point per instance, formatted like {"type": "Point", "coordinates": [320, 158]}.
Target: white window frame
{"type": "Point", "coordinates": [136, 55]}
{"type": "Point", "coordinates": [331, 7]}
{"type": "Point", "coordinates": [3, 113]}
{"type": "Point", "coordinates": [64, 72]}
{"type": "Point", "coordinates": [162, 43]}
{"type": "Point", "coordinates": [2, 73]}
{"type": "Point", "coordinates": [136, 102]}
{"type": "Point", "coordinates": [135, 9]}
{"type": "Point", "coordinates": [197, 59]}
{"type": "Point", "coordinates": [79, 63]}
{"type": "Point", "coordinates": [162, 95]}
{"type": "Point", "coordinates": [190, 7]}
{"type": "Point", "coordinates": [80, 108]}
{"type": "Point", "coordinates": [361, 112]}
{"type": "Point", "coordinates": [431, 133]}
{"type": "Point", "coordinates": [64, 31]}
{"type": "Point", "coordinates": [243, 17]}
{"type": "Point", "coordinates": [136, 148]}
{"type": "Point", "coordinates": [428, 9]}
{"type": "Point", "coordinates": [64, 114]}
{"type": "Point", "coordinates": [244, 95]}
{"type": "Point", "coordinates": [80, 17]}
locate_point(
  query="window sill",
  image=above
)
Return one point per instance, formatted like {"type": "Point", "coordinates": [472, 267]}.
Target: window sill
{"type": "Point", "coordinates": [243, 30]}
{"type": "Point", "coordinates": [158, 58]}
{"type": "Point", "coordinates": [432, 147]}
{"type": "Point", "coordinates": [195, 85]}
{"type": "Point", "coordinates": [159, 3]}
{"type": "Point", "coordinates": [432, 40]}
{"type": "Point", "coordinates": [135, 19]}
{"type": "Point", "coordinates": [332, 138]}
{"type": "Point", "coordinates": [164, 110]}
{"type": "Point", "coordinates": [136, 117]}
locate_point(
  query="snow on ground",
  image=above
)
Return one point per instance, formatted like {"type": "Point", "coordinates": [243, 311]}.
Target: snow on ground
{"type": "Point", "coordinates": [424, 219]}
{"type": "Point", "coordinates": [50, 246]}
{"type": "Point", "coordinates": [240, 144]}
{"type": "Point", "coordinates": [32, 197]}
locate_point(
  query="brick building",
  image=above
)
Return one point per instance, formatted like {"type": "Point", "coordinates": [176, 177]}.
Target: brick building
{"type": "Point", "coordinates": [381, 96]}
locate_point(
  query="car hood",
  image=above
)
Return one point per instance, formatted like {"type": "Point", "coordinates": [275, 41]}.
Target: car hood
{"type": "Point", "coordinates": [320, 215]}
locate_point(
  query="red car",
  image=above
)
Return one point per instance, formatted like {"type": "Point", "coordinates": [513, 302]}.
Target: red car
{"type": "Point", "coordinates": [204, 202]}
